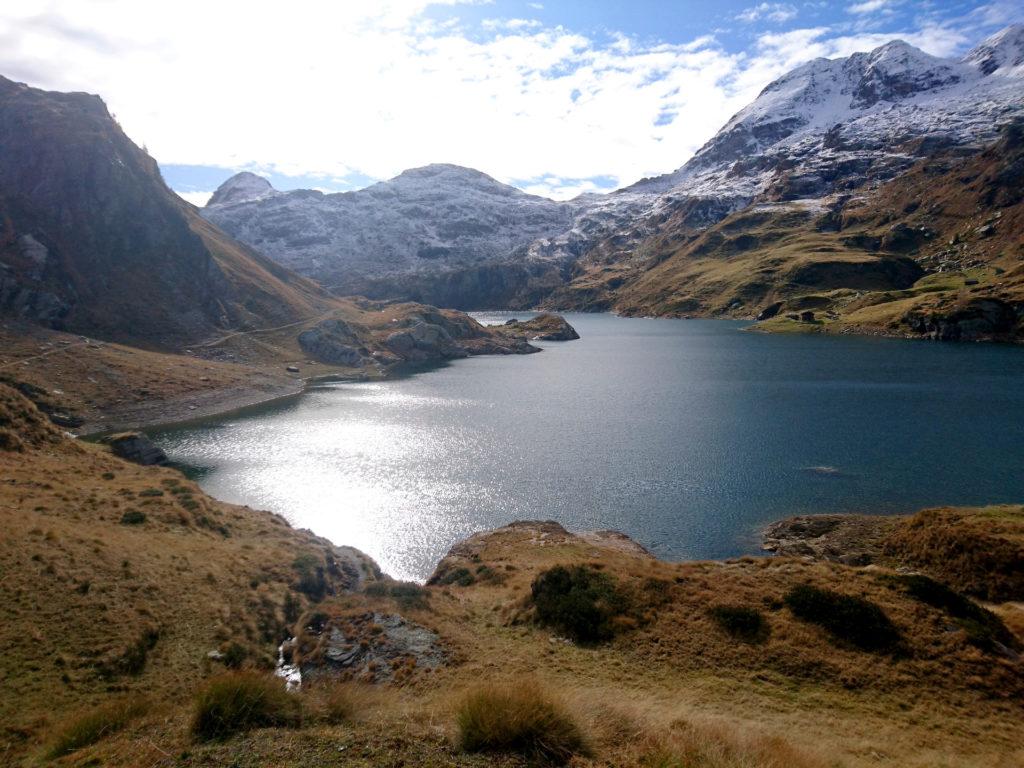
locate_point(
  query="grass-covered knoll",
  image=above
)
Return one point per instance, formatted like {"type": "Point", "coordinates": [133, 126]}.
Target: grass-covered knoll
{"type": "Point", "coordinates": [984, 629]}
{"type": "Point", "coordinates": [521, 718]}
{"type": "Point", "coordinates": [978, 551]}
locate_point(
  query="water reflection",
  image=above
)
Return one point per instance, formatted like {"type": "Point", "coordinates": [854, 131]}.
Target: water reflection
{"type": "Point", "coordinates": [685, 434]}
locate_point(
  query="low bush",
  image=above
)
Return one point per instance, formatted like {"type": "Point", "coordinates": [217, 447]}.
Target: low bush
{"type": "Point", "coordinates": [580, 602]}
{"type": "Point", "coordinates": [312, 577]}
{"type": "Point", "coordinates": [133, 517]}
{"type": "Point", "coordinates": [95, 725]}
{"type": "Point", "coordinates": [984, 629]}
{"type": "Point", "coordinates": [239, 701]}
{"type": "Point", "coordinates": [520, 719]}
{"type": "Point", "coordinates": [741, 622]}
{"type": "Point", "coordinates": [854, 620]}
{"type": "Point", "coordinates": [407, 594]}
{"type": "Point", "coordinates": [461, 577]}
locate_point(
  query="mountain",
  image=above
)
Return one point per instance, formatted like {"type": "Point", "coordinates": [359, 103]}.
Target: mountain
{"type": "Point", "coordinates": [826, 131]}
{"type": "Point", "coordinates": [761, 219]}
{"type": "Point", "coordinates": [94, 242]}
{"type": "Point", "coordinates": [440, 234]}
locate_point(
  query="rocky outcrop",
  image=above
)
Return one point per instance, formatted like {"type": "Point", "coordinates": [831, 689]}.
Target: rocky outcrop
{"type": "Point", "coordinates": [370, 647]}
{"type": "Point", "coordinates": [333, 341]}
{"type": "Point", "coordinates": [848, 539]}
{"type": "Point", "coordinates": [545, 327]}
{"type": "Point", "coordinates": [977, 319]}
{"type": "Point", "coordinates": [137, 448]}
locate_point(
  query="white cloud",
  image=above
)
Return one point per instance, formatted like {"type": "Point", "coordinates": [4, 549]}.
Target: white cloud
{"type": "Point", "coordinates": [777, 12]}
{"type": "Point", "coordinates": [869, 6]}
{"type": "Point", "coordinates": [352, 89]}
{"type": "Point", "coordinates": [196, 198]}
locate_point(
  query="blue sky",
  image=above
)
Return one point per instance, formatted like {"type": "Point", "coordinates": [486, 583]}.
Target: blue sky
{"type": "Point", "coordinates": [555, 97]}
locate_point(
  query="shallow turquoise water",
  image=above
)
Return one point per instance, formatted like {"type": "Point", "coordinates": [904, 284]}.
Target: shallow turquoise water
{"type": "Point", "coordinates": [686, 434]}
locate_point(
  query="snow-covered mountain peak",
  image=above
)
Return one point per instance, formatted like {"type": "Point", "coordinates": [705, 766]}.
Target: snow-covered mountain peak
{"type": "Point", "coordinates": [1002, 51]}
{"type": "Point", "coordinates": [242, 188]}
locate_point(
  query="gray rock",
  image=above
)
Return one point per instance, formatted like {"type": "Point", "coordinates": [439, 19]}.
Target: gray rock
{"type": "Point", "coordinates": [332, 341]}
{"type": "Point", "coordinates": [373, 646]}
{"type": "Point", "coordinates": [137, 448]}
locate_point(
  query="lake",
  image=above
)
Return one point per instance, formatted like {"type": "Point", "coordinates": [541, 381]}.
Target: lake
{"type": "Point", "coordinates": [688, 435]}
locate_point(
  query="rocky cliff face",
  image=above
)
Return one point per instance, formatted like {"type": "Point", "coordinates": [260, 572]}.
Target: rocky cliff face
{"type": "Point", "coordinates": [93, 241]}
{"type": "Point", "coordinates": [439, 234]}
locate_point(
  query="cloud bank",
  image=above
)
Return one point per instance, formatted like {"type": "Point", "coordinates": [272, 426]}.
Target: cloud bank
{"type": "Point", "coordinates": [351, 90]}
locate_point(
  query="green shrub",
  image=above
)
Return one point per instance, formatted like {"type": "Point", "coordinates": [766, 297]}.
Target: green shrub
{"type": "Point", "coordinates": [133, 517]}
{"type": "Point", "coordinates": [741, 621]}
{"type": "Point", "coordinates": [984, 629]}
{"type": "Point", "coordinates": [152, 492]}
{"type": "Point", "coordinates": [580, 602]}
{"type": "Point", "coordinates": [520, 719]}
{"type": "Point", "coordinates": [312, 578]}
{"type": "Point", "coordinates": [239, 701]}
{"type": "Point", "coordinates": [96, 724]}
{"type": "Point", "coordinates": [854, 620]}
{"type": "Point", "coordinates": [461, 577]}
{"type": "Point", "coordinates": [407, 594]}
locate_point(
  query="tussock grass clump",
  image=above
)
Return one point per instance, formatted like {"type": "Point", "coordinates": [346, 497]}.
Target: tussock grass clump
{"type": "Point", "coordinates": [984, 629]}
{"type": "Point", "coordinates": [854, 620]}
{"type": "Point", "coordinates": [578, 601]}
{"type": "Point", "coordinates": [95, 725]}
{"type": "Point", "coordinates": [740, 621]}
{"type": "Point", "coordinates": [521, 719]}
{"type": "Point", "coordinates": [239, 701]}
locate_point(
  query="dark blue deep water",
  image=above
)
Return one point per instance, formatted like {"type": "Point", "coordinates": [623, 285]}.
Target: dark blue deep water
{"type": "Point", "coordinates": [686, 434]}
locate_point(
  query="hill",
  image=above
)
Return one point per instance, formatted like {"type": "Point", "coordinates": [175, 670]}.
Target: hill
{"type": "Point", "coordinates": [94, 242]}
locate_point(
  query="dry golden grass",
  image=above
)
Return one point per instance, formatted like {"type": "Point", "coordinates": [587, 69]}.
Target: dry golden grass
{"type": "Point", "coordinates": [979, 551]}
{"type": "Point", "coordinates": [520, 718]}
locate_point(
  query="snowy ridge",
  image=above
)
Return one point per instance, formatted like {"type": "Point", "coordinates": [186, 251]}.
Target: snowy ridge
{"type": "Point", "coordinates": [826, 126]}
{"type": "Point", "coordinates": [432, 219]}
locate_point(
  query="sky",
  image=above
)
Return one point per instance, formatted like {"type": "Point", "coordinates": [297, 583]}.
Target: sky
{"type": "Point", "coordinates": [556, 98]}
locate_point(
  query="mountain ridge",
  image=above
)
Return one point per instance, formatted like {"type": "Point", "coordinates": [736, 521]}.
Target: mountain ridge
{"type": "Point", "coordinates": [827, 127]}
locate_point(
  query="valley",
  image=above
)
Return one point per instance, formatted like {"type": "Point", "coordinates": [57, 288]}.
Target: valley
{"type": "Point", "coordinates": [619, 480]}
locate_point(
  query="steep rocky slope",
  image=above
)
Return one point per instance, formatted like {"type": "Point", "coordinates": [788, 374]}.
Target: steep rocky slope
{"type": "Point", "coordinates": [440, 234]}
{"type": "Point", "coordinates": [94, 242]}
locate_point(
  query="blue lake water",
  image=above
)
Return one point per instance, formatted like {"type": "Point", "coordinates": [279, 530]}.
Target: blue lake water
{"type": "Point", "coordinates": [688, 435]}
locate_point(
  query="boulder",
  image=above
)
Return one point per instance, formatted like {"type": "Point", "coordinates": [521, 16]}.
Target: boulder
{"type": "Point", "coordinates": [137, 448]}
{"type": "Point", "coordinates": [332, 341]}
{"type": "Point", "coordinates": [424, 341]}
